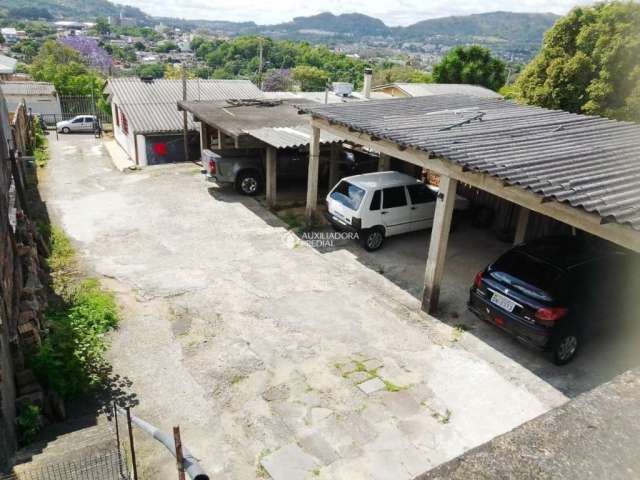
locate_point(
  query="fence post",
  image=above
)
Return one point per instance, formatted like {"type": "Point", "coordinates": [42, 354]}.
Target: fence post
{"type": "Point", "coordinates": [179, 458]}
{"type": "Point", "coordinates": [131, 444]}
{"type": "Point", "coordinates": [115, 419]}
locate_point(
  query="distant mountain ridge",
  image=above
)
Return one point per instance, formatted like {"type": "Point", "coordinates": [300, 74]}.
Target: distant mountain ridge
{"type": "Point", "coordinates": [495, 29]}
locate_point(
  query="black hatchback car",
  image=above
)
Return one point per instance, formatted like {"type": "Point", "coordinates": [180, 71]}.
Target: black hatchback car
{"type": "Point", "coordinates": [551, 292]}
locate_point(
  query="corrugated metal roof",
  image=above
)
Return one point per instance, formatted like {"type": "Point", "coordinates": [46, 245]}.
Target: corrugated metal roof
{"type": "Point", "coordinates": [589, 162]}
{"type": "Point", "coordinates": [133, 90]}
{"type": "Point", "coordinates": [426, 89]}
{"type": "Point", "coordinates": [7, 65]}
{"type": "Point", "coordinates": [150, 118]}
{"type": "Point", "coordinates": [295, 136]}
{"type": "Point", "coordinates": [152, 106]}
{"type": "Point", "coordinates": [235, 120]}
{"type": "Point", "coordinates": [27, 88]}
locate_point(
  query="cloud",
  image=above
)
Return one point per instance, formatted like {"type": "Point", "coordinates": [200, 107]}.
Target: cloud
{"type": "Point", "coordinates": [400, 12]}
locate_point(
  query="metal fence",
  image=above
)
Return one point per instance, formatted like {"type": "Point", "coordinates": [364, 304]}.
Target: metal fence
{"type": "Point", "coordinates": [100, 466]}
{"type": "Point", "coordinates": [72, 105]}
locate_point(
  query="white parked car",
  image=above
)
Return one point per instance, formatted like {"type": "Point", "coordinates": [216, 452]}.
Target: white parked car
{"type": "Point", "coordinates": [79, 123]}
{"type": "Point", "coordinates": [383, 204]}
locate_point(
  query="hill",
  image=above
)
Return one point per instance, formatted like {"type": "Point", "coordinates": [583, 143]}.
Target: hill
{"type": "Point", "coordinates": [350, 24]}
{"type": "Point", "coordinates": [71, 9]}
{"type": "Point", "coordinates": [507, 26]}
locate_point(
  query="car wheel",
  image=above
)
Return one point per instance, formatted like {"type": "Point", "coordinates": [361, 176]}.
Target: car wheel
{"type": "Point", "coordinates": [249, 183]}
{"type": "Point", "coordinates": [65, 130]}
{"type": "Point", "coordinates": [372, 239]}
{"type": "Point", "coordinates": [565, 348]}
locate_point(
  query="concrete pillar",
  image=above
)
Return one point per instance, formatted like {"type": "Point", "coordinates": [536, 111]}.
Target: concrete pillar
{"type": "Point", "coordinates": [334, 164]}
{"type": "Point", "coordinates": [438, 243]}
{"type": "Point", "coordinates": [312, 182]}
{"type": "Point", "coordinates": [384, 163]}
{"type": "Point", "coordinates": [204, 136]}
{"type": "Point", "coordinates": [521, 226]}
{"type": "Point", "coordinates": [272, 155]}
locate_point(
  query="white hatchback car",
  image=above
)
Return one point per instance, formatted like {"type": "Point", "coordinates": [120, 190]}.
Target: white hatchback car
{"type": "Point", "coordinates": [383, 204]}
{"type": "Point", "coordinates": [80, 123]}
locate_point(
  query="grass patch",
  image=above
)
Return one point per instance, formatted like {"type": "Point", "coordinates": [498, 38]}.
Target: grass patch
{"type": "Point", "coordinates": [70, 360]}
{"type": "Point", "coordinates": [237, 379]}
{"type": "Point", "coordinates": [28, 423]}
{"type": "Point", "coordinates": [392, 387]}
{"type": "Point", "coordinates": [293, 220]}
{"type": "Point", "coordinates": [41, 147]}
{"type": "Point", "coordinates": [459, 330]}
{"type": "Point", "coordinates": [443, 418]}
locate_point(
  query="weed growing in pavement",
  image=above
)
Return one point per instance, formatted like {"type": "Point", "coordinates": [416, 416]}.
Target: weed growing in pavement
{"type": "Point", "coordinates": [70, 360]}
{"type": "Point", "coordinates": [261, 472]}
{"type": "Point", "coordinates": [443, 418]}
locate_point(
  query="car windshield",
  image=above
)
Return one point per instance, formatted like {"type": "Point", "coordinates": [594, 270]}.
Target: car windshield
{"type": "Point", "coordinates": [348, 195]}
{"type": "Point", "coordinates": [529, 275]}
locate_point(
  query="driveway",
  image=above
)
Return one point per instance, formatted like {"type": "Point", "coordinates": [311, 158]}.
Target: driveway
{"type": "Point", "coordinates": [273, 357]}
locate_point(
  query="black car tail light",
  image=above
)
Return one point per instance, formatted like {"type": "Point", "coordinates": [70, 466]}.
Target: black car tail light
{"type": "Point", "coordinates": [549, 315]}
{"type": "Point", "coordinates": [478, 279]}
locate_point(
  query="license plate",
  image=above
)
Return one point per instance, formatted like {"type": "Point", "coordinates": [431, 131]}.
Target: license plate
{"type": "Point", "coordinates": [503, 302]}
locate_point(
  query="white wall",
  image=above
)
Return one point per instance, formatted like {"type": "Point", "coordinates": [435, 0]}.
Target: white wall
{"type": "Point", "coordinates": [142, 149]}
{"type": "Point", "coordinates": [126, 141]}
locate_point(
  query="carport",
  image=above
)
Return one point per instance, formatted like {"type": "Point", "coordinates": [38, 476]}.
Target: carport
{"type": "Point", "coordinates": [581, 170]}
{"type": "Point", "coordinates": [243, 126]}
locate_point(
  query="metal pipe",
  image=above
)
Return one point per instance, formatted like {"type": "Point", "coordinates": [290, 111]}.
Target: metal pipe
{"type": "Point", "coordinates": [190, 463]}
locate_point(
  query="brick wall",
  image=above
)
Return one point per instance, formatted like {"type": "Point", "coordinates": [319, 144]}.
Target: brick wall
{"type": "Point", "coordinates": [22, 279]}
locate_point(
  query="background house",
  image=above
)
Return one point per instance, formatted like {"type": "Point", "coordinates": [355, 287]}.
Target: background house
{"type": "Point", "coordinates": [40, 97]}
{"type": "Point", "coordinates": [147, 123]}
{"type": "Point", "coordinates": [7, 66]}
{"type": "Point", "coordinates": [426, 89]}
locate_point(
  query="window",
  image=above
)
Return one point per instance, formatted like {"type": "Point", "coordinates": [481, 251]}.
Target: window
{"type": "Point", "coordinates": [117, 117]}
{"type": "Point", "coordinates": [420, 193]}
{"type": "Point", "coordinates": [78, 120]}
{"type": "Point", "coordinates": [375, 201]}
{"type": "Point", "coordinates": [125, 124]}
{"type": "Point", "coordinates": [394, 197]}
{"type": "Point", "coordinates": [348, 195]}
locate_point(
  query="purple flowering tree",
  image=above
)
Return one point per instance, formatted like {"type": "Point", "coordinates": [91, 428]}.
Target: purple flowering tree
{"type": "Point", "coordinates": [88, 47]}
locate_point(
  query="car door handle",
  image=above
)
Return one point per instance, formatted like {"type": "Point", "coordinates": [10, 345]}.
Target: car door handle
{"type": "Point", "coordinates": [383, 213]}
{"type": "Point", "coordinates": [413, 208]}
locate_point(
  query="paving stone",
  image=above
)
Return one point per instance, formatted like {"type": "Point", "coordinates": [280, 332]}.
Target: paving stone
{"type": "Point", "coordinates": [316, 445]}
{"type": "Point", "coordinates": [358, 377]}
{"type": "Point", "coordinates": [317, 414]}
{"type": "Point", "coordinates": [371, 386]}
{"type": "Point", "coordinates": [389, 438]}
{"type": "Point", "coordinates": [277, 392]}
{"type": "Point", "coordinates": [401, 404]}
{"type": "Point", "coordinates": [289, 463]}
{"type": "Point", "coordinates": [372, 364]}
{"type": "Point", "coordinates": [348, 367]}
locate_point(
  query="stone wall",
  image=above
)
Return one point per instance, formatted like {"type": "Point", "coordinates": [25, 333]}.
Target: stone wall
{"type": "Point", "coordinates": [22, 279]}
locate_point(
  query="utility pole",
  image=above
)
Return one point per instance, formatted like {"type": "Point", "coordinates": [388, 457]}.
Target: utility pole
{"type": "Point", "coordinates": [260, 49]}
{"type": "Point", "coordinates": [185, 133]}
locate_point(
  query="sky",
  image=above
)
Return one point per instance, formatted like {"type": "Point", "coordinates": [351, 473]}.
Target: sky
{"type": "Point", "coordinates": [393, 13]}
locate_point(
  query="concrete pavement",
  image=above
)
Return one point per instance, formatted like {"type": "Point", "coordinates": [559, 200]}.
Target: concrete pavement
{"type": "Point", "coordinates": [258, 350]}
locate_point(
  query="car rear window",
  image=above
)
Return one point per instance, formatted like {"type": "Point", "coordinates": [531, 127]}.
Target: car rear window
{"type": "Point", "coordinates": [530, 275]}
{"type": "Point", "coordinates": [348, 195]}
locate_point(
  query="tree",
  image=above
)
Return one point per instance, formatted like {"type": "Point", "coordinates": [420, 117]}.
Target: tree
{"type": "Point", "coordinates": [473, 65]}
{"type": "Point", "coordinates": [277, 80]}
{"type": "Point", "coordinates": [310, 78]}
{"type": "Point", "coordinates": [153, 70]}
{"type": "Point", "coordinates": [102, 26]}
{"type": "Point", "coordinates": [399, 73]}
{"type": "Point", "coordinates": [65, 68]}
{"type": "Point", "coordinates": [166, 47]}
{"type": "Point", "coordinates": [174, 72]}
{"type": "Point", "coordinates": [589, 63]}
